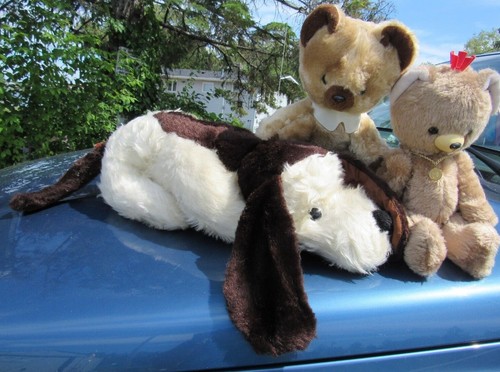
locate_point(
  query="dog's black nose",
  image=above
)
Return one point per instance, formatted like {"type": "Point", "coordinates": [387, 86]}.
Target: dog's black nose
{"type": "Point", "coordinates": [384, 220]}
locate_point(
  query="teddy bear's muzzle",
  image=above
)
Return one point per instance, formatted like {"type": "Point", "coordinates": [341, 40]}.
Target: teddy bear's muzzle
{"type": "Point", "coordinates": [449, 142]}
{"type": "Point", "coordinates": [339, 98]}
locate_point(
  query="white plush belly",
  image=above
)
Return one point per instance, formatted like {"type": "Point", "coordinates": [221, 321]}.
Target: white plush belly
{"type": "Point", "coordinates": [169, 182]}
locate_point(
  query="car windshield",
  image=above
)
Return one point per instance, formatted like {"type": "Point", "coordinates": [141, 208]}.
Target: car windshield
{"type": "Point", "coordinates": [486, 150]}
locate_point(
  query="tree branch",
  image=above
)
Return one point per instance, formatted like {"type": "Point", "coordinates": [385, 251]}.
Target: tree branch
{"type": "Point", "coordinates": [6, 5]}
{"type": "Point", "coordinates": [299, 8]}
{"type": "Point", "coordinates": [76, 31]}
{"type": "Point", "coordinates": [208, 40]}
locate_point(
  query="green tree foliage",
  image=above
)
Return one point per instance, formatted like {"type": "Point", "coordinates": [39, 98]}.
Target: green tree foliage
{"type": "Point", "coordinates": [484, 42]}
{"type": "Point", "coordinates": [70, 70]}
{"type": "Point", "coordinates": [55, 90]}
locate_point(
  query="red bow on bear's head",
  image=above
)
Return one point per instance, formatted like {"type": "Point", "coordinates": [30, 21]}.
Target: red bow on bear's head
{"type": "Point", "coordinates": [460, 62]}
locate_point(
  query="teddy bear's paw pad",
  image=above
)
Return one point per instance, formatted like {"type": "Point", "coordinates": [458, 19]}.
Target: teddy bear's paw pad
{"type": "Point", "coordinates": [478, 251]}
{"type": "Point", "coordinates": [426, 249]}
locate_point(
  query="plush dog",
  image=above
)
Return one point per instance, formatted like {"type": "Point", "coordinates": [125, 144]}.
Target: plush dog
{"type": "Point", "coordinates": [346, 67]}
{"type": "Point", "coordinates": [436, 113]}
{"type": "Point", "coordinates": [271, 198]}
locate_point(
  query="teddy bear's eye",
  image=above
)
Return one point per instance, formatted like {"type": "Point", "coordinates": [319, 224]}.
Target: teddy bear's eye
{"type": "Point", "coordinates": [362, 92]}
{"type": "Point", "coordinates": [315, 214]}
{"type": "Point", "coordinates": [433, 130]}
{"type": "Point", "coordinates": [323, 79]}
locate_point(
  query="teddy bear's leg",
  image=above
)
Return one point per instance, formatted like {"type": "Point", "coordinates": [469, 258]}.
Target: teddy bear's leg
{"type": "Point", "coordinates": [269, 127]}
{"type": "Point", "coordinates": [299, 128]}
{"type": "Point", "coordinates": [426, 249]}
{"type": "Point", "coordinates": [472, 246]}
{"type": "Point", "coordinates": [294, 121]}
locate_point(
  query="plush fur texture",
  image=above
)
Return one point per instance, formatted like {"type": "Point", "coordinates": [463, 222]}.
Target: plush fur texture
{"type": "Point", "coordinates": [271, 198]}
{"type": "Point", "coordinates": [346, 67]}
{"type": "Point", "coordinates": [264, 284]}
{"type": "Point", "coordinates": [437, 113]}
{"type": "Point", "coordinates": [208, 195]}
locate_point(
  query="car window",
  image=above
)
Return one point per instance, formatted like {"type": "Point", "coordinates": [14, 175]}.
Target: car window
{"type": "Point", "coordinates": [492, 61]}
{"type": "Point", "coordinates": [491, 136]}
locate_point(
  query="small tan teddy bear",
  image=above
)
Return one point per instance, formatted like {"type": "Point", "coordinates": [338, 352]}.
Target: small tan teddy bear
{"type": "Point", "coordinates": [436, 113]}
{"type": "Point", "coordinates": [346, 67]}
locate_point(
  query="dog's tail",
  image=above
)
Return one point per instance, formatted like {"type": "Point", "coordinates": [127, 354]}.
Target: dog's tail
{"type": "Point", "coordinates": [81, 172]}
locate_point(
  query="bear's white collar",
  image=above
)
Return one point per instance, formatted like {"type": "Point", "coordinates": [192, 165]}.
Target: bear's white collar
{"type": "Point", "coordinates": [330, 119]}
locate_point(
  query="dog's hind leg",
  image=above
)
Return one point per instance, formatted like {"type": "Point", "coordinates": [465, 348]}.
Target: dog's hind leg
{"type": "Point", "coordinates": [126, 182]}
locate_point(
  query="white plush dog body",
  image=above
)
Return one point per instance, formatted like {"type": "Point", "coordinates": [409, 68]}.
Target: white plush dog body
{"type": "Point", "coordinates": [170, 182]}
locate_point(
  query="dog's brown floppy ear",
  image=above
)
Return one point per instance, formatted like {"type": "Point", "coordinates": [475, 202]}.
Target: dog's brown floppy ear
{"type": "Point", "coordinates": [264, 286]}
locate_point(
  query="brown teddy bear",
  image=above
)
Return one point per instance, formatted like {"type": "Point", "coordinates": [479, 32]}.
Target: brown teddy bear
{"type": "Point", "coordinates": [346, 67]}
{"type": "Point", "coordinates": [436, 113]}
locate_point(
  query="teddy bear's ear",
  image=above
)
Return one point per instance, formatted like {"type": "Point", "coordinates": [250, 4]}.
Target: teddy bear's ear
{"type": "Point", "coordinates": [324, 15]}
{"type": "Point", "coordinates": [492, 85]}
{"type": "Point", "coordinates": [407, 79]}
{"type": "Point", "coordinates": [401, 38]}
{"type": "Point", "coordinates": [263, 286]}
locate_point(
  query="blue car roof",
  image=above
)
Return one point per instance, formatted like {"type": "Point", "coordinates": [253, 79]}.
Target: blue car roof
{"type": "Point", "coordinates": [80, 284]}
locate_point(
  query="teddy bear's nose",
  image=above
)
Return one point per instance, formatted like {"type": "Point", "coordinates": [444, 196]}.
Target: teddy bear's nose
{"type": "Point", "coordinates": [339, 98]}
{"type": "Point", "coordinates": [449, 142]}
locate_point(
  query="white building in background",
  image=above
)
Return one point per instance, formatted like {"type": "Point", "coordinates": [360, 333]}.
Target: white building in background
{"type": "Point", "coordinates": [205, 82]}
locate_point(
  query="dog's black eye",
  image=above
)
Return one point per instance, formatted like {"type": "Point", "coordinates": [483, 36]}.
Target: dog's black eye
{"type": "Point", "coordinates": [323, 79]}
{"type": "Point", "coordinates": [315, 214]}
{"type": "Point", "coordinates": [362, 93]}
{"type": "Point", "coordinates": [433, 130]}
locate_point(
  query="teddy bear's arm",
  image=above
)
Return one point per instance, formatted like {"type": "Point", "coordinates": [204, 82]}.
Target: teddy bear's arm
{"type": "Point", "coordinates": [396, 169]}
{"type": "Point", "coordinates": [294, 121]}
{"type": "Point", "coordinates": [473, 205]}
{"type": "Point", "coordinates": [366, 143]}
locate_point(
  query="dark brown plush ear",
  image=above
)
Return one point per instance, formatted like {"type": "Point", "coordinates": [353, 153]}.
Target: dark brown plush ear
{"type": "Point", "coordinates": [356, 173]}
{"type": "Point", "coordinates": [323, 15]}
{"type": "Point", "coordinates": [404, 42]}
{"type": "Point", "coordinates": [81, 172]}
{"type": "Point", "coordinates": [264, 287]}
